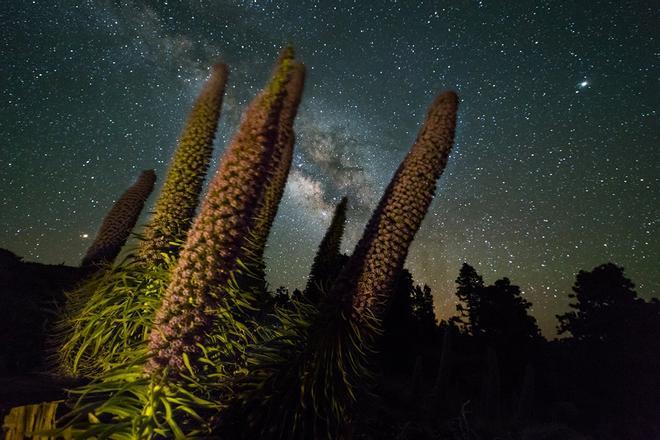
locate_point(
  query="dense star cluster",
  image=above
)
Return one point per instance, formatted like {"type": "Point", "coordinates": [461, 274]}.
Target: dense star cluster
{"type": "Point", "coordinates": [555, 168]}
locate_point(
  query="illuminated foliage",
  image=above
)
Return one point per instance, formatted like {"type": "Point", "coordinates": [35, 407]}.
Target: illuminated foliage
{"type": "Point", "coordinates": [197, 298]}
{"type": "Point", "coordinates": [107, 316]}
{"type": "Point", "coordinates": [198, 362]}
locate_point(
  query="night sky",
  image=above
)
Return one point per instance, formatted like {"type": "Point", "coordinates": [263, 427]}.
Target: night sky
{"type": "Point", "coordinates": [555, 168]}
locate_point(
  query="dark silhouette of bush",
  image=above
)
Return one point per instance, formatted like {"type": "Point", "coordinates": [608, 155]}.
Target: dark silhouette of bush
{"type": "Point", "coordinates": [469, 289]}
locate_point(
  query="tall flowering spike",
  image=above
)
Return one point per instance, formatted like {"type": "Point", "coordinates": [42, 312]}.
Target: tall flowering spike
{"type": "Point", "coordinates": [382, 250]}
{"type": "Point", "coordinates": [278, 167]}
{"type": "Point", "coordinates": [327, 262]}
{"type": "Point", "coordinates": [120, 221]}
{"type": "Point", "coordinates": [194, 299]}
{"type": "Point", "coordinates": [175, 207]}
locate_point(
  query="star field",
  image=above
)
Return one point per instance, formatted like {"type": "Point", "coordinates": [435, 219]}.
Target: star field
{"type": "Point", "coordinates": [555, 166]}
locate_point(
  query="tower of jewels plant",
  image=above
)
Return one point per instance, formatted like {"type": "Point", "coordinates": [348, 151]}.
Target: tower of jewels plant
{"type": "Point", "coordinates": [305, 380]}
{"type": "Point", "coordinates": [328, 259]}
{"type": "Point", "coordinates": [176, 381]}
{"type": "Point", "coordinates": [120, 221]}
{"type": "Point", "coordinates": [114, 308]}
{"type": "Point", "coordinates": [175, 208]}
{"type": "Point", "coordinates": [278, 171]}
{"type": "Point", "coordinates": [201, 290]}
{"type": "Point", "coordinates": [201, 370]}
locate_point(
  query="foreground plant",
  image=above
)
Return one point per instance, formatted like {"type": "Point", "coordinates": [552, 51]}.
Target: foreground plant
{"type": "Point", "coordinates": [366, 281]}
{"type": "Point", "coordinates": [305, 380]}
{"type": "Point", "coordinates": [113, 310]}
{"type": "Point", "coordinates": [108, 316]}
{"type": "Point", "coordinates": [277, 173]}
{"type": "Point", "coordinates": [210, 367]}
{"type": "Point", "coordinates": [173, 383]}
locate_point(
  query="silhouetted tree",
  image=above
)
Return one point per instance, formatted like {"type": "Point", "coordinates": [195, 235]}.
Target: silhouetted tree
{"type": "Point", "coordinates": [409, 325]}
{"type": "Point", "coordinates": [441, 385]}
{"type": "Point", "coordinates": [614, 348]}
{"type": "Point", "coordinates": [604, 301]}
{"type": "Point", "coordinates": [502, 315]}
{"type": "Point", "coordinates": [470, 286]}
{"type": "Point", "coordinates": [422, 310]}
{"type": "Point", "coordinates": [490, 401]}
{"type": "Point", "coordinates": [281, 297]}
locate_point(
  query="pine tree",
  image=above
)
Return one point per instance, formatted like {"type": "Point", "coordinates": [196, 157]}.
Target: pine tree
{"type": "Point", "coordinates": [328, 260]}
{"type": "Point", "coordinates": [175, 208]}
{"type": "Point", "coordinates": [399, 341]}
{"type": "Point", "coordinates": [490, 405]}
{"type": "Point", "coordinates": [525, 404]}
{"type": "Point", "coordinates": [469, 290]}
{"type": "Point", "coordinates": [604, 302]}
{"type": "Point", "coordinates": [422, 311]}
{"type": "Point", "coordinates": [442, 379]}
{"type": "Point", "coordinates": [417, 380]}
{"type": "Point", "coordinates": [119, 222]}
{"type": "Point", "coordinates": [503, 316]}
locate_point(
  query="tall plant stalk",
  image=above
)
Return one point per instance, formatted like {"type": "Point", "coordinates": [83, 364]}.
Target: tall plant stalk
{"type": "Point", "coordinates": [304, 381]}
{"type": "Point", "coordinates": [327, 261]}
{"type": "Point", "coordinates": [175, 208]}
{"type": "Point", "coordinates": [366, 281]}
{"type": "Point", "coordinates": [197, 297]}
{"type": "Point", "coordinates": [278, 171]}
{"type": "Point", "coordinates": [119, 222]}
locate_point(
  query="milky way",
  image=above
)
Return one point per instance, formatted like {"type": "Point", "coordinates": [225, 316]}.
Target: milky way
{"type": "Point", "coordinates": [555, 168]}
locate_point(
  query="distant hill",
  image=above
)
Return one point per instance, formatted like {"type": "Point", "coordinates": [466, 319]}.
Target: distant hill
{"type": "Point", "coordinates": [29, 295]}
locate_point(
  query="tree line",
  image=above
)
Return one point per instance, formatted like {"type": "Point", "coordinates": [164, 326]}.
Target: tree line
{"type": "Point", "coordinates": [488, 370]}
